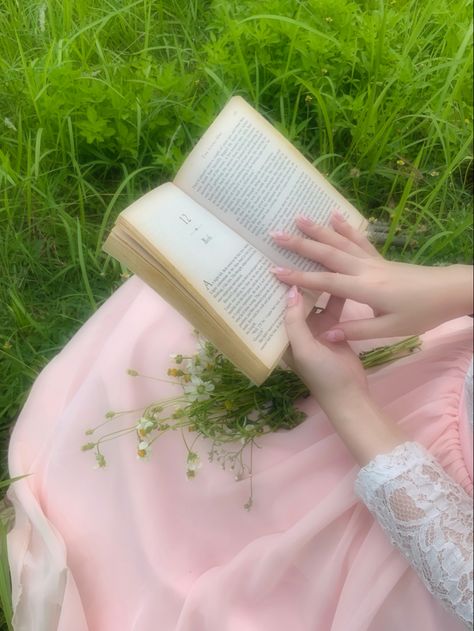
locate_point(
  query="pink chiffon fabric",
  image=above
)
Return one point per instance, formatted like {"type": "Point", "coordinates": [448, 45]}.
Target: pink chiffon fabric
{"type": "Point", "coordinates": [137, 546]}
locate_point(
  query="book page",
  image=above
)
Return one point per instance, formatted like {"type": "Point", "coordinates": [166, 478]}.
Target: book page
{"type": "Point", "coordinates": [250, 177]}
{"type": "Point", "coordinates": [205, 255]}
{"type": "Point", "coordinates": [131, 254]}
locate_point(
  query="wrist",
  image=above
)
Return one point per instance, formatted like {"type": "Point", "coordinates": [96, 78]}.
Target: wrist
{"type": "Point", "coordinates": [364, 428]}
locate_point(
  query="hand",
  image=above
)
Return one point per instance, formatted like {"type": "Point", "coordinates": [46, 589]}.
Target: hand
{"type": "Point", "coordinates": [332, 372]}
{"type": "Point", "coordinates": [406, 299]}
{"type": "Point", "coordinates": [336, 378]}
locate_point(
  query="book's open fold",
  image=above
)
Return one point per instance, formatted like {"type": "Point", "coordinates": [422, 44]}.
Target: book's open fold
{"type": "Point", "coordinates": [220, 283]}
{"type": "Point", "coordinates": [203, 242]}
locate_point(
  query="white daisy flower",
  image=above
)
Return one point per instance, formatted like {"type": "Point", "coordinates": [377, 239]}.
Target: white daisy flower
{"type": "Point", "coordinates": [205, 353]}
{"type": "Point", "coordinates": [193, 368]}
{"type": "Point", "coordinates": [144, 450]}
{"type": "Point", "coordinates": [144, 426]}
{"type": "Point", "coordinates": [197, 389]}
{"type": "Point", "coordinates": [194, 462]}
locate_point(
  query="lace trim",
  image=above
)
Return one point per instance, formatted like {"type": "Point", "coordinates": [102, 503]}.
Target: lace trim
{"type": "Point", "coordinates": [428, 517]}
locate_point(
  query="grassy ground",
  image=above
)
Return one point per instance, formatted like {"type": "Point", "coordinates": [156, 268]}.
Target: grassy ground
{"type": "Point", "coordinates": [102, 100]}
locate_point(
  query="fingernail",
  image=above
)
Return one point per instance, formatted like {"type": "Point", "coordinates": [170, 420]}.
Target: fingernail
{"type": "Point", "coordinates": [292, 296]}
{"type": "Point", "coordinates": [337, 335]}
{"type": "Point", "coordinates": [280, 236]}
{"type": "Point", "coordinates": [339, 216]}
{"type": "Point", "coordinates": [305, 221]}
{"type": "Point", "coordinates": [280, 270]}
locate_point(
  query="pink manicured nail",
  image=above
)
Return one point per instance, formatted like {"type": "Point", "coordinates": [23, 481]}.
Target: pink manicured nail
{"type": "Point", "coordinates": [339, 216]}
{"type": "Point", "coordinates": [280, 270]}
{"type": "Point", "coordinates": [280, 236]}
{"type": "Point", "coordinates": [292, 296]}
{"type": "Point", "coordinates": [305, 221]}
{"type": "Point", "coordinates": [336, 335]}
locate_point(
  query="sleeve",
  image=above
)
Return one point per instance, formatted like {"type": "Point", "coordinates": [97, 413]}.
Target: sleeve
{"type": "Point", "coordinates": [428, 517]}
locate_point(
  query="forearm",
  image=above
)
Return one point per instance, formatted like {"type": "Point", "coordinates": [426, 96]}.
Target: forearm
{"type": "Point", "coordinates": [364, 428]}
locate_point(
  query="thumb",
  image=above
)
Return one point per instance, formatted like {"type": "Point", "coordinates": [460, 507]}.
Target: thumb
{"type": "Point", "coordinates": [370, 328]}
{"type": "Point", "coordinates": [296, 327]}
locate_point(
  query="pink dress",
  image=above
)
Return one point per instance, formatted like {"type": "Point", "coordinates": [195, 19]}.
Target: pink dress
{"type": "Point", "coordinates": [139, 547]}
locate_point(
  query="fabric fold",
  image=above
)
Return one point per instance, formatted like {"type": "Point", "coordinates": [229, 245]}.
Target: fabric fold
{"type": "Point", "coordinates": [137, 545]}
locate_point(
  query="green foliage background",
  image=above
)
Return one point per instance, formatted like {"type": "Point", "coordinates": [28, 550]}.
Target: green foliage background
{"type": "Point", "coordinates": [100, 101]}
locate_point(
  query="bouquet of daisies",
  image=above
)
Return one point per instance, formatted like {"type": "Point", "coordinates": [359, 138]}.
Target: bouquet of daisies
{"type": "Point", "coordinates": [222, 406]}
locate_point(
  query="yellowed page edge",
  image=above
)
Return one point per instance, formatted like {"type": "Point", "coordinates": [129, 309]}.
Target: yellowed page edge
{"type": "Point", "coordinates": [209, 323]}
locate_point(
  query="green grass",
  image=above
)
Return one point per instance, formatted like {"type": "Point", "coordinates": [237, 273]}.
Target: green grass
{"type": "Point", "coordinates": [103, 100]}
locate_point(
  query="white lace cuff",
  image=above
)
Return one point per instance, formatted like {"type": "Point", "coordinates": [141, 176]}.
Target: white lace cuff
{"type": "Point", "coordinates": [428, 517]}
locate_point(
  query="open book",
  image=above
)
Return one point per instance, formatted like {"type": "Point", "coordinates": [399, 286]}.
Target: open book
{"type": "Point", "coordinates": [203, 243]}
